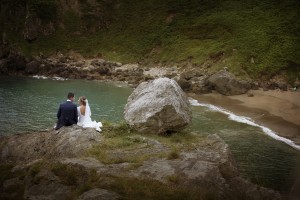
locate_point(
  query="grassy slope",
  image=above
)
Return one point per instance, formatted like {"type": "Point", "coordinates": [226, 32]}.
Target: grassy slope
{"type": "Point", "coordinates": [174, 31]}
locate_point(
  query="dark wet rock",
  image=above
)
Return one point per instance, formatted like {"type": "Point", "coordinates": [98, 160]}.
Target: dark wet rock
{"type": "Point", "coordinates": [158, 106]}
{"type": "Point", "coordinates": [32, 67]}
{"type": "Point", "coordinates": [16, 61]}
{"type": "Point", "coordinates": [184, 84]}
{"type": "Point", "coordinates": [226, 83]}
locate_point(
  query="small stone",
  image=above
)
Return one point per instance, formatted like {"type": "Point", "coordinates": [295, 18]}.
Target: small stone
{"type": "Point", "coordinates": [250, 94]}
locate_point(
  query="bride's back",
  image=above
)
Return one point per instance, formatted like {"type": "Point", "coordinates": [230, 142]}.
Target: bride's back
{"type": "Point", "coordinates": [82, 110]}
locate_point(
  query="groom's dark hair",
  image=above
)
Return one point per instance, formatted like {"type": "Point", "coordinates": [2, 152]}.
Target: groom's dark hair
{"type": "Point", "coordinates": [70, 94]}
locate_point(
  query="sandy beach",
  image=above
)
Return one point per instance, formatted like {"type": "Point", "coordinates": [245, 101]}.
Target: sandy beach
{"type": "Point", "coordinates": [277, 110]}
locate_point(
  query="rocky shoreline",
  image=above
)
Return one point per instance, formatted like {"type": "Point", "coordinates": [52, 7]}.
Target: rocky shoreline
{"type": "Point", "coordinates": [74, 66]}
{"type": "Point", "coordinates": [77, 163]}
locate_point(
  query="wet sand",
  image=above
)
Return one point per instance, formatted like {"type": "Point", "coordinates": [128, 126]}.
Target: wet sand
{"type": "Point", "coordinates": [277, 110]}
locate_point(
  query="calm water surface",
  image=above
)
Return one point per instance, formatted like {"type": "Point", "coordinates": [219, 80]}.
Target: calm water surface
{"type": "Point", "coordinates": [29, 104]}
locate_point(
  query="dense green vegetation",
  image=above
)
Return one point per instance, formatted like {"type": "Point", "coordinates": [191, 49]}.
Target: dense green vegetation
{"type": "Point", "coordinates": [249, 37]}
{"type": "Point", "coordinates": [46, 10]}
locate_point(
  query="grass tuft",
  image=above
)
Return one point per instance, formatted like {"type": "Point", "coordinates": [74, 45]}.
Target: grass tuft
{"type": "Point", "coordinates": [174, 154]}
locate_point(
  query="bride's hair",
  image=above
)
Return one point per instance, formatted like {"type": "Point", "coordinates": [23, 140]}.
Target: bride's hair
{"type": "Point", "coordinates": [82, 100]}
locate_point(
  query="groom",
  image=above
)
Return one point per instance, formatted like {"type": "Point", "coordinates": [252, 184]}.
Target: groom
{"type": "Point", "coordinates": [67, 113]}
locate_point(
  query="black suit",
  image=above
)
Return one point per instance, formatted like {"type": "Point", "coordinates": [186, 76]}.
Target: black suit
{"type": "Point", "coordinates": [66, 115]}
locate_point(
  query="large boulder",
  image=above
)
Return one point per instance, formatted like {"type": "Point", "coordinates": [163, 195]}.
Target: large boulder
{"type": "Point", "coordinates": [158, 106]}
{"type": "Point", "coordinates": [226, 83]}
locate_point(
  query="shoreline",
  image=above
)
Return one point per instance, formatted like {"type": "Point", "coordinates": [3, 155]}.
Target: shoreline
{"type": "Point", "coordinates": [276, 110]}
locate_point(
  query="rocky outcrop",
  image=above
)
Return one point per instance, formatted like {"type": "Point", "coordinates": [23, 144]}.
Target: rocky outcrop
{"type": "Point", "coordinates": [226, 83]}
{"type": "Point", "coordinates": [47, 169]}
{"type": "Point", "coordinates": [66, 142]}
{"type": "Point", "coordinates": [158, 106]}
{"type": "Point", "coordinates": [209, 166]}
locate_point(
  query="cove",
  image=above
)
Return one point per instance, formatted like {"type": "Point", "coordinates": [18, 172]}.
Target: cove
{"type": "Point", "coordinates": [30, 104]}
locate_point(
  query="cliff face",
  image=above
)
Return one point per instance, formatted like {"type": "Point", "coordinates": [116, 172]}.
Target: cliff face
{"type": "Point", "coordinates": [250, 38]}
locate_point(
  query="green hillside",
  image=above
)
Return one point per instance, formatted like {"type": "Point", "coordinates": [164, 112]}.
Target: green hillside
{"type": "Point", "coordinates": [251, 37]}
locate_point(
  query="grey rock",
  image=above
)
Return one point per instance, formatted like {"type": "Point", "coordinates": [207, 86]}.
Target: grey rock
{"type": "Point", "coordinates": [158, 106]}
{"type": "Point", "coordinates": [283, 86]}
{"type": "Point", "coordinates": [32, 67]}
{"type": "Point", "coordinates": [47, 191]}
{"type": "Point", "coordinates": [45, 185]}
{"type": "Point", "coordinates": [226, 83]}
{"type": "Point", "coordinates": [210, 166]}
{"type": "Point", "coordinates": [201, 85]}
{"type": "Point", "coordinates": [187, 75]}
{"type": "Point", "coordinates": [98, 194]}
{"type": "Point", "coordinates": [206, 164]}
{"type": "Point", "coordinates": [67, 142]}
{"type": "Point", "coordinates": [13, 182]}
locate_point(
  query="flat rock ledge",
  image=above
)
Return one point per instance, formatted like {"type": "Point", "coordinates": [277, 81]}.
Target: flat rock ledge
{"type": "Point", "coordinates": [56, 165]}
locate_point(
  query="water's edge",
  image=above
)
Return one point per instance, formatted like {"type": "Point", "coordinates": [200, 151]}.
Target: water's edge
{"type": "Point", "coordinates": [246, 120]}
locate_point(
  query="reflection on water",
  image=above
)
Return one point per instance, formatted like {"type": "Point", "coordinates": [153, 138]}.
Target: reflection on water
{"type": "Point", "coordinates": [29, 104]}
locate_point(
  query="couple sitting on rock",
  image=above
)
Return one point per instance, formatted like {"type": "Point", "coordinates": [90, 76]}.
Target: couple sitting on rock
{"type": "Point", "coordinates": [69, 114]}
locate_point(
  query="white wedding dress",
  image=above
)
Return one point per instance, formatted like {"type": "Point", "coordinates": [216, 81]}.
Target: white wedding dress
{"type": "Point", "coordinates": [85, 121]}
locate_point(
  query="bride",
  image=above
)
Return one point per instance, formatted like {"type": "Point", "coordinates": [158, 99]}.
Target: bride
{"type": "Point", "coordinates": [84, 115]}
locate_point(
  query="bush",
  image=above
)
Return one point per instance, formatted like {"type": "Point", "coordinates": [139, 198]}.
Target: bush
{"type": "Point", "coordinates": [46, 10]}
